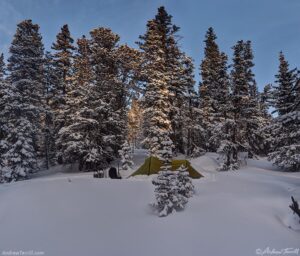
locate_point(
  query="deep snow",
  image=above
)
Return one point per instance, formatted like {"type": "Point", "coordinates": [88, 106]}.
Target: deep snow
{"type": "Point", "coordinates": [232, 213]}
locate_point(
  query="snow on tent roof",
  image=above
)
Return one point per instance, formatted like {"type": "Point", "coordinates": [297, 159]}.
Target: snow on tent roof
{"type": "Point", "coordinates": [152, 166]}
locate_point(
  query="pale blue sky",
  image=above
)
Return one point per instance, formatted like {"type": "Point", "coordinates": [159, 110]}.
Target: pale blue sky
{"type": "Point", "coordinates": [272, 25]}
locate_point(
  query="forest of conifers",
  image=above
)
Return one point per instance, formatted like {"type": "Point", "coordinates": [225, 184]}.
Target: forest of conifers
{"type": "Point", "coordinates": [85, 99]}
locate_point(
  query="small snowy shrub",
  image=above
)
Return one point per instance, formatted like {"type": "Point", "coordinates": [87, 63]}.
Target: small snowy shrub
{"type": "Point", "coordinates": [287, 157]}
{"type": "Point", "coordinates": [285, 151]}
{"type": "Point", "coordinates": [295, 207]}
{"type": "Point", "coordinates": [126, 157]}
{"type": "Point", "coordinates": [228, 153]}
{"type": "Point", "coordinates": [172, 189]}
{"type": "Point", "coordinates": [185, 185]}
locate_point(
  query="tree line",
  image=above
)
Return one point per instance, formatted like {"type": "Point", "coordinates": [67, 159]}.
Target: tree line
{"type": "Point", "coordinates": [81, 101]}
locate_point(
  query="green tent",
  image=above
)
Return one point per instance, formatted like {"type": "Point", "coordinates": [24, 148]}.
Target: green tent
{"type": "Point", "coordinates": [152, 166]}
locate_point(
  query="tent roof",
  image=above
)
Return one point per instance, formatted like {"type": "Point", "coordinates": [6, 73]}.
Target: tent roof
{"type": "Point", "coordinates": [152, 166]}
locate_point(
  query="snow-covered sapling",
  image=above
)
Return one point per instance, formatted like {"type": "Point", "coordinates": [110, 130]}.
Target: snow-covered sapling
{"type": "Point", "coordinates": [126, 157]}
{"type": "Point", "coordinates": [185, 185]}
{"type": "Point", "coordinates": [295, 207]}
{"type": "Point", "coordinates": [228, 151]}
{"type": "Point", "coordinates": [168, 198]}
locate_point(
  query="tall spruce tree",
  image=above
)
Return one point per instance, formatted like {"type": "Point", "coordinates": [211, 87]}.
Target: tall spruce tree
{"type": "Point", "coordinates": [182, 93]}
{"type": "Point", "coordinates": [82, 63]}
{"type": "Point", "coordinates": [285, 150]}
{"type": "Point", "coordinates": [156, 102]}
{"type": "Point", "coordinates": [52, 104]}
{"type": "Point", "coordinates": [214, 76]}
{"type": "Point", "coordinates": [175, 67]}
{"type": "Point", "coordinates": [79, 140]}
{"type": "Point", "coordinates": [95, 124]}
{"type": "Point", "coordinates": [191, 114]}
{"type": "Point", "coordinates": [176, 70]}
{"type": "Point", "coordinates": [112, 76]}
{"type": "Point", "coordinates": [63, 56]}
{"type": "Point", "coordinates": [180, 70]}
{"type": "Point", "coordinates": [63, 64]}
{"type": "Point", "coordinates": [256, 120]}
{"type": "Point", "coordinates": [240, 99]}
{"type": "Point", "coordinates": [214, 89]}
{"type": "Point", "coordinates": [284, 96]}
{"type": "Point", "coordinates": [26, 101]}
{"type": "Point", "coordinates": [285, 131]}
{"type": "Point", "coordinates": [241, 121]}
{"type": "Point", "coordinates": [110, 90]}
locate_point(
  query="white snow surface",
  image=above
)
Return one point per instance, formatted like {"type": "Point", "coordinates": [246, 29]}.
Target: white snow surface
{"type": "Point", "coordinates": [234, 213]}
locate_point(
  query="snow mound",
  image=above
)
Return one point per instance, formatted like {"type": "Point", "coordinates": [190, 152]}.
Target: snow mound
{"type": "Point", "coordinates": [234, 214]}
{"type": "Point", "coordinates": [206, 164]}
{"type": "Point", "coordinates": [292, 221]}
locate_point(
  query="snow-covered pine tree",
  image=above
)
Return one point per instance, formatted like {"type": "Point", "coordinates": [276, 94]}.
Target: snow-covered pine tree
{"type": "Point", "coordinates": [167, 196]}
{"type": "Point", "coordinates": [106, 87]}
{"type": "Point", "coordinates": [183, 100]}
{"type": "Point", "coordinates": [283, 92]}
{"type": "Point", "coordinates": [247, 120]}
{"type": "Point", "coordinates": [192, 128]}
{"type": "Point", "coordinates": [177, 65]}
{"type": "Point", "coordinates": [213, 72]}
{"type": "Point", "coordinates": [214, 89]}
{"type": "Point", "coordinates": [113, 77]}
{"type": "Point", "coordinates": [79, 140]}
{"type": "Point", "coordinates": [185, 185]}
{"type": "Point", "coordinates": [176, 69]}
{"type": "Point", "coordinates": [26, 100]}
{"type": "Point", "coordinates": [176, 93]}
{"type": "Point", "coordinates": [168, 199]}
{"type": "Point", "coordinates": [129, 68]}
{"type": "Point", "coordinates": [52, 103]}
{"type": "Point", "coordinates": [180, 70]}
{"type": "Point", "coordinates": [155, 114]}
{"type": "Point", "coordinates": [285, 130]}
{"type": "Point", "coordinates": [82, 65]}
{"type": "Point", "coordinates": [233, 135]}
{"type": "Point", "coordinates": [8, 100]}
{"type": "Point", "coordinates": [229, 147]}
{"type": "Point", "coordinates": [63, 56]}
{"type": "Point", "coordinates": [126, 157]}
{"type": "Point", "coordinates": [63, 63]}
{"type": "Point", "coordinates": [156, 102]}
{"type": "Point", "coordinates": [255, 118]}
{"type": "Point", "coordinates": [285, 151]}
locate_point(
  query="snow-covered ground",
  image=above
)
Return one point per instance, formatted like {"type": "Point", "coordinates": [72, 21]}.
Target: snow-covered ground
{"type": "Point", "coordinates": [64, 213]}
